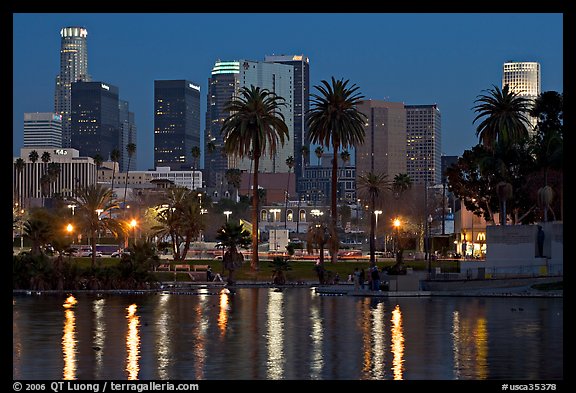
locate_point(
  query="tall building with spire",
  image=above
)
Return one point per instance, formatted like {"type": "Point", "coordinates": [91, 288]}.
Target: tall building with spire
{"type": "Point", "coordinates": [523, 79]}
{"type": "Point", "coordinates": [73, 68]}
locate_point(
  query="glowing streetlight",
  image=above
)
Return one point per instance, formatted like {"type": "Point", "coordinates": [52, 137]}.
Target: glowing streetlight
{"type": "Point", "coordinates": [133, 225]}
{"type": "Point", "coordinates": [376, 213]}
{"type": "Point", "coordinates": [71, 206]}
{"type": "Point", "coordinates": [99, 211]}
{"type": "Point", "coordinates": [227, 214]}
{"type": "Point", "coordinates": [70, 229]}
{"type": "Point", "coordinates": [397, 224]}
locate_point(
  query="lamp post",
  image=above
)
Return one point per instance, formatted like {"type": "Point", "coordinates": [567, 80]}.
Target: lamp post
{"type": "Point", "coordinates": [274, 212]}
{"type": "Point", "coordinates": [71, 206]}
{"type": "Point", "coordinates": [376, 213]}
{"type": "Point", "coordinates": [227, 214]}
{"type": "Point", "coordinates": [21, 229]}
{"type": "Point", "coordinates": [70, 229]}
{"type": "Point", "coordinates": [397, 224]}
{"type": "Point", "coordinates": [133, 225]}
{"type": "Point", "coordinates": [429, 230]}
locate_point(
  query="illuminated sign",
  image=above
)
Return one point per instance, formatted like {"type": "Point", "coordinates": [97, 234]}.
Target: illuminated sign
{"type": "Point", "coordinates": [481, 237]}
{"type": "Point", "coordinates": [61, 152]}
{"type": "Point", "coordinates": [192, 86]}
{"type": "Point", "coordinates": [105, 87]}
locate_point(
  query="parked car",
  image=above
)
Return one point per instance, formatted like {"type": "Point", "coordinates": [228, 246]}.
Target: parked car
{"type": "Point", "coordinates": [118, 254]}
{"type": "Point", "coordinates": [98, 254]}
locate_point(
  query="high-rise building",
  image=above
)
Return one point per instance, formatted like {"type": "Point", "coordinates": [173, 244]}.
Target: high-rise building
{"type": "Point", "coordinates": [42, 129]}
{"type": "Point", "coordinates": [277, 78]}
{"type": "Point", "coordinates": [423, 144]}
{"type": "Point", "coordinates": [384, 147]}
{"type": "Point", "coordinates": [227, 78]}
{"type": "Point", "coordinates": [73, 68]}
{"type": "Point", "coordinates": [176, 123]}
{"type": "Point", "coordinates": [127, 135]}
{"type": "Point", "coordinates": [523, 79]}
{"type": "Point", "coordinates": [222, 86]}
{"type": "Point", "coordinates": [301, 103]}
{"type": "Point", "coordinates": [95, 118]}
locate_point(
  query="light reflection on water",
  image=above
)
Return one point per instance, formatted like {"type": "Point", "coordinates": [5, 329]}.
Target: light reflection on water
{"type": "Point", "coordinates": [262, 334]}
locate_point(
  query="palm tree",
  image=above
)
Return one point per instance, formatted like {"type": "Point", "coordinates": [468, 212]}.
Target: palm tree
{"type": "Point", "coordinates": [89, 201]}
{"type": "Point", "coordinates": [39, 232]}
{"type": "Point", "coordinates": [372, 185]}
{"type": "Point", "coordinates": [53, 171]}
{"type": "Point", "coordinates": [402, 182]}
{"type": "Point", "coordinates": [130, 149]}
{"type": "Point", "coordinates": [255, 123]}
{"type": "Point", "coordinates": [33, 157]}
{"type": "Point", "coordinates": [319, 151]}
{"type": "Point", "coordinates": [290, 164]}
{"type": "Point", "coordinates": [305, 152]}
{"type": "Point", "coordinates": [334, 120]}
{"type": "Point", "coordinates": [232, 236]}
{"type": "Point", "coordinates": [114, 157]}
{"type": "Point", "coordinates": [234, 178]}
{"type": "Point", "coordinates": [345, 156]}
{"type": "Point", "coordinates": [20, 165]}
{"type": "Point", "coordinates": [504, 117]}
{"type": "Point", "coordinates": [195, 151]}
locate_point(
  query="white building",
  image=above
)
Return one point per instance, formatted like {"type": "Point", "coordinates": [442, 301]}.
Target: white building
{"type": "Point", "coordinates": [523, 79]}
{"type": "Point", "coordinates": [188, 179]}
{"type": "Point", "coordinates": [42, 129]}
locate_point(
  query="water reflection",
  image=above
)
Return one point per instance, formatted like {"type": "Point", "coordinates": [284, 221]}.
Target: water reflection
{"type": "Point", "coordinates": [132, 342]}
{"type": "Point", "coordinates": [470, 346]}
{"type": "Point", "coordinates": [99, 333]}
{"type": "Point", "coordinates": [223, 315]}
{"type": "Point", "coordinates": [455, 343]}
{"type": "Point", "coordinates": [199, 335]}
{"type": "Point", "coordinates": [378, 337]}
{"type": "Point", "coordinates": [316, 359]}
{"type": "Point", "coordinates": [69, 339]}
{"type": "Point", "coordinates": [397, 343]}
{"type": "Point", "coordinates": [275, 336]}
{"type": "Point", "coordinates": [163, 338]}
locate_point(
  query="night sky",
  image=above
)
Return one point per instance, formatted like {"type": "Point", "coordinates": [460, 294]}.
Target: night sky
{"type": "Point", "coordinates": [447, 59]}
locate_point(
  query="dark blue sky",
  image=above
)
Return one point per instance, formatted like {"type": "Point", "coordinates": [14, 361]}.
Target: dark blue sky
{"type": "Point", "coordinates": [447, 59]}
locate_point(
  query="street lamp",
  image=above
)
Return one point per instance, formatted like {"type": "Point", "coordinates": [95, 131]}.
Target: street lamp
{"type": "Point", "coordinates": [429, 228]}
{"type": "Point", "coordinates": [133, 225]}
{"type": "Point", "coordinates": [376, 213]}
{"type": "Point", "coordinates": [274, 212]}
{"type": "Point", "coordinates": [227, 214]}
{"type": "Point", "coordinates": [70, 229]}
{"type": "Point", "coordinates": [71, 206]}
{"type": "Point", "coordinates": [397, 224]}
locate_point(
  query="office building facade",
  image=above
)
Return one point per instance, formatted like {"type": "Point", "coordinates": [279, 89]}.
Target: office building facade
{"type": "Point", "coordinates": [384, 147]}
{"type": "Point", "coordinates": [73, 68]}
{"type": "Point", "coordinates": [176, 123]}
{"type": "Point", "coordinates": [127, 135]}
{"type": "Point", "coordinates": [423, 144]}
{"type": "Point", "coordinates": [42, 129]}
{"type": "Point", "coordinates": [223, 84]}
{"type": "Point", "coordinates": [524, 80]}
{"type": "Point", "coordinates": [95, 119]}
{"type": "Point", "coordinates": [301, 105]}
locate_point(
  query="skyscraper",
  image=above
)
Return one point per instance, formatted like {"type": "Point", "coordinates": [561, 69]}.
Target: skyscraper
{"type": "Point", "coordinates": [127, 135]}
{"type": "Point", "coordinates": [176, 123]}
{"type": "Point", "coordinates": [222, 86]}
{"type": "Point", "coordinates": [301, 103]}
{"type": "Point", "coordinates": [95, 119]}
{"type": "Point", "coordinates": [384, 147]}
{"type": "Point", "coordinates": [73, 68]}
{"type": "Point", "coordinates": [42, 129]}
{"type": "Point", "coordinates": [423, 144]}
{"type": "Point", "coordinates": [523, 79]}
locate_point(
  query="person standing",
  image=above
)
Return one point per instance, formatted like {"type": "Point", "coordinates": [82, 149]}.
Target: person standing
{"type": "Point", "coordinates": [375, 279]}
{"type": "Point", "coordinates": [356, 279]}
{"type": "Point", "coordinates": [362, 278]}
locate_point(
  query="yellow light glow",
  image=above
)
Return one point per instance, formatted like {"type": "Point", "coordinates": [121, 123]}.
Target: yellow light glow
{"type": "Point", "coordinates": [132, 343]}
{"type": "Point", "coordinates": [397, 343]}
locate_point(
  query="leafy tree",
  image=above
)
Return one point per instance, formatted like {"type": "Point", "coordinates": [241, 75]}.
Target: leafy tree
{"type": "Point", "coordinates": [255, 124]}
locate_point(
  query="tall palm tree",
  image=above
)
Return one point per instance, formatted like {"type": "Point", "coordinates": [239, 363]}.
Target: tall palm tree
{"type": "Point", "coordinates": [195, 152]}
{"type": "Point", "coordinates": [33, 157]}
{"type": "Point", "coordinates": [345, 156]}
{"type": "Point", "coordinates": [372, 185]}
{"type": "Point", "coordinates": [503, 115]}
{"type": "Point", "coordinates": [114, 157]}
{"type": "Point", "coordinates": [334, 121]}
{"type": "Point", "coordinates": [130, 149]}
{"type": "Point", "coordinates": [89, 201]}
{"type": "Point", "coordinates": [20, 165]}
{"type": "Point", "coordinates": [290, 164]}
{"type": "Point", "coordinates": [53, 171]}
{"type": "Point", "coordinates": [402, 182]}
{"type": "Point", "coordinates": [255, 123]}
{"type": "Point", "coordinates": [319, 151]}
{"type": "Point", "coordinates": [305, 152]}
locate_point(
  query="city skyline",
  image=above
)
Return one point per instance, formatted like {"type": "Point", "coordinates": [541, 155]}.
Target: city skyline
{"type": "Point", "coordinates": [464, 57]}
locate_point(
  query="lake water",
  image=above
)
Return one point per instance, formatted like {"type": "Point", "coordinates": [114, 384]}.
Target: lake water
{"type": "Point", "coordinates": [259, 333]}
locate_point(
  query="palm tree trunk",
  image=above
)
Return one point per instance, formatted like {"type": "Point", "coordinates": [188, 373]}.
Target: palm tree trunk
{"type": "Point", "coordinates": [126, 183]}
{"type": "Point", "coordinates": [372, 233]}
{"type": "Point", "coordinates": [93, 243]}
{"type": "Point", "coordinates": [255, 203]}
{"type": "Point", "coordinates": [334, 207]}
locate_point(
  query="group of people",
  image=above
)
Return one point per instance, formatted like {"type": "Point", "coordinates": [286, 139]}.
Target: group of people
{"type": "Point", "coordinates": [375, 278]}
